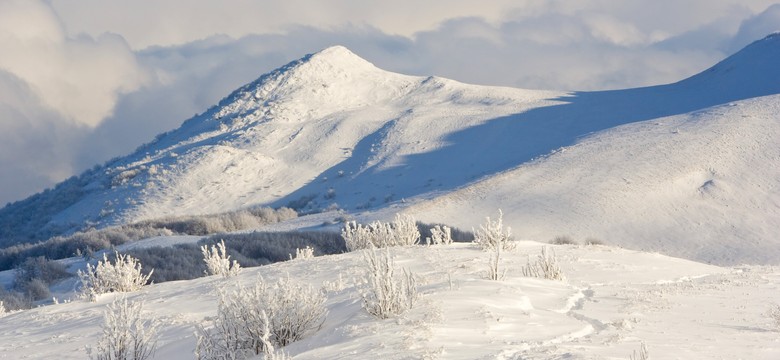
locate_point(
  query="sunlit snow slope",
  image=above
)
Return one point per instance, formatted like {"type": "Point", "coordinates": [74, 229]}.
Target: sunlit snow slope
{"type": "Point", "coordinates": [612, 301]}
{"type": "Point", "coordinates": [688, 168]}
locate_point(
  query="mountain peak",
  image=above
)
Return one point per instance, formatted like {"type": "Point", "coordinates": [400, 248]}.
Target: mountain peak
{"type": "Point", "coordinates": [333, 79]}
{"type": "Point", "coordinates": [337, 54]}
{"type": "Point", "coordinates": [331, 64]}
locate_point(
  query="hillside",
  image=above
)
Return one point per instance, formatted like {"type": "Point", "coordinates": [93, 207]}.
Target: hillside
{"type": "Point", "coordinates": [688, 168]}
{"type": "Point", "coordinates": [612, 301]}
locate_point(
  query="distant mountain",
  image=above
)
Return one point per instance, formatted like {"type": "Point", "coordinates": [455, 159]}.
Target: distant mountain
{"type": "Point", "coordinates": [673, 168]}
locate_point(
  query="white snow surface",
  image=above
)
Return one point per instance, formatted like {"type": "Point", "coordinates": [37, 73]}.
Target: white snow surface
{"type": "Point", "coordinates": [612, 301]}
{"type": "Point", "coordinates": [688, 169]}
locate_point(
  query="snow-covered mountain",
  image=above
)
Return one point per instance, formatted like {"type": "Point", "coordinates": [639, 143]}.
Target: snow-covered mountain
{"type": "Point", "coordinates": [688, 168]}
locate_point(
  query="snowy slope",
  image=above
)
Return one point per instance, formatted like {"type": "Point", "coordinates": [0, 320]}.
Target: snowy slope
{"type": "Point", "coordinates": [670, 168]}
{"type": "Point", "coordinates": [703, 185]}
{"type": "Point", "coordinates": [612, 300]}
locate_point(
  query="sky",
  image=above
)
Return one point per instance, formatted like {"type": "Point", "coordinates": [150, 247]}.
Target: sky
{"type": "Point", "coordinates": [82, 81]}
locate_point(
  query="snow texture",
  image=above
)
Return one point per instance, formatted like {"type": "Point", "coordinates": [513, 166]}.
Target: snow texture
{"type": "Point", "coordinates": [612, 301]}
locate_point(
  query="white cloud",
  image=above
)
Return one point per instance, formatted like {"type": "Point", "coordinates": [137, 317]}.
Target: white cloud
{"type": "Point", "coordinates": [34, 142]}
{"type": "Point", "coordinates": [78, 77]}
{"type": "Point", "coordinates": [85, 80]}
{"type": "Point", "coordinates": [172, 22]}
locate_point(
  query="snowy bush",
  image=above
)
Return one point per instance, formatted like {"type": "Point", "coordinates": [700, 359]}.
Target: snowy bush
{"type": "Point", "coordinates": [563, 240]}
{"type": "Point", "coordinates": [401, 232]}
{"type": "Point", "coordinates": [405, 230]}
{"type": "Point", "coordinates": [546, 266]}
{"type": "Point", "coordinates": [440, 235]}
{"type": "Point", "coordinates": [250, 319]}
{"type": "Point", "coordinates": [14, 300]}
{"type": "Point", "coordinates": [387, 293]}
{"type": "Point", "coordinates": [218, 261]}
{"type": "Point", "coordinates": [123, 275]}
{"type": "Point", "coordinates": [357, 237]}
{"type": "Point", "coordinates": [3, 310]}
{"type": "Point", "coordinates": [303, 254]}
{"type": "Point", "coordinates": [643, 353]}
{"type": "Point", "coordinates": [126, 335]}
{"type": "Point", "coordinates": [493, 233]}
{"type": "Point", "coordinates": [593, 241]}
{"type": "Point", "coordinates": [456, 234]}
{"type": "Point", "coordinates": [774, 315]}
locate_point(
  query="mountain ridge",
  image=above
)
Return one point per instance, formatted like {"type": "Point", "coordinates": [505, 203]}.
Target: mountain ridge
{"type": "Point", "coordinates": [331, 130]}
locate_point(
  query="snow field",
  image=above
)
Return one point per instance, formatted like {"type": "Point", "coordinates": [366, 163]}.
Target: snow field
{"type": "Point", "coordinates": [613, 299]}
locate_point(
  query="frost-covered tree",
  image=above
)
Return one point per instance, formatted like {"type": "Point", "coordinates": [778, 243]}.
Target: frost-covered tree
{"type": "Point", "coordinates": [250, 318]}
{"type": "Point", "coordinates": [494, 264]}
{"type": "Point", "coordinates": [401, 232]}
{"type": "Point", "coordinates": [387, 292]}
{"type": "Point", "coordinates": [124, 275]}
{"type": "Point", "coordinates": [493, 233]}
{"type": "Point", "coordinates": [126, 335]}
{"type": "Point", "coordinates": [218, 261]}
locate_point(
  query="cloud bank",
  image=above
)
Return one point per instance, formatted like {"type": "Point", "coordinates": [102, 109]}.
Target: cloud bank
{"type": "Point", "coordinates": [82, 81]}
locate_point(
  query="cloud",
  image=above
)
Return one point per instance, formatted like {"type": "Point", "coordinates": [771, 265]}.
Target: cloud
{"type": "Point", "coordinates": [756, 27]}
{"type": "Point", "coordinates": [78, 77]}
{"type": "Point", "coordinates": [53, 89]}
{"type": "Point", "coordinates": [34, 141]}
{"type": "Point", "coordinates": [147, 23]}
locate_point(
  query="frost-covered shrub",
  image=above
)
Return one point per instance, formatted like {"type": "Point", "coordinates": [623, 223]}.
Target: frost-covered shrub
{"type": "Point", "coordinates": [78, 244]}
{"type": "Point", "coordinates": [218, 261]}
{"type": "Point", "coordinates": [563, 240]}
{"type": "Point", "coordinates": [643, 353]}
{"type": "Point", "coordinates": [13, 300]}
{"type": "Point", "coordinates": [593, 241]}
{"type": "Point", "coordinates": [774, 314]}
{"type": "Point", "coordinates": [401, 232]}
{"type": "Point", "coordinates": [35, 289]}
{"type": "Point", "coordinates": [303, 254]}
{"type": "Point", "coordinates": [124, 275]}
{"type": "Point", "coordinates": [35, 274]}
{"type": "Point", "coordinates": [493, 233]}
{"type": "Point", "coordinates": [456, 234]}
{"type": "Point", "coordinates": [125, 334]}
{"type": "Point", "coordinates": [545, 267]}
{"type": "Point", "coordinates": [405, 230]}
{"type": "Point", "coordinates": [259, 248]}
{"type": "Point", "coordinates": [3, 310]}
{"type": "Point", "coordinates": [178, 262]}
{"type": "Point", "coordinates": [222, 222]}
{"type": "Point", "coordinates": [386, 292]}
{"type": "Point", "coordinates": [185, 261]}
{"type": "Point", "coordinates": [90, 240]}
{"type": "Point", "coordinates": [249, 319]}
{"type": "Point", "coordinates": [41, 268]}
{"type": "Point", "coordinates": [440, 235]}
